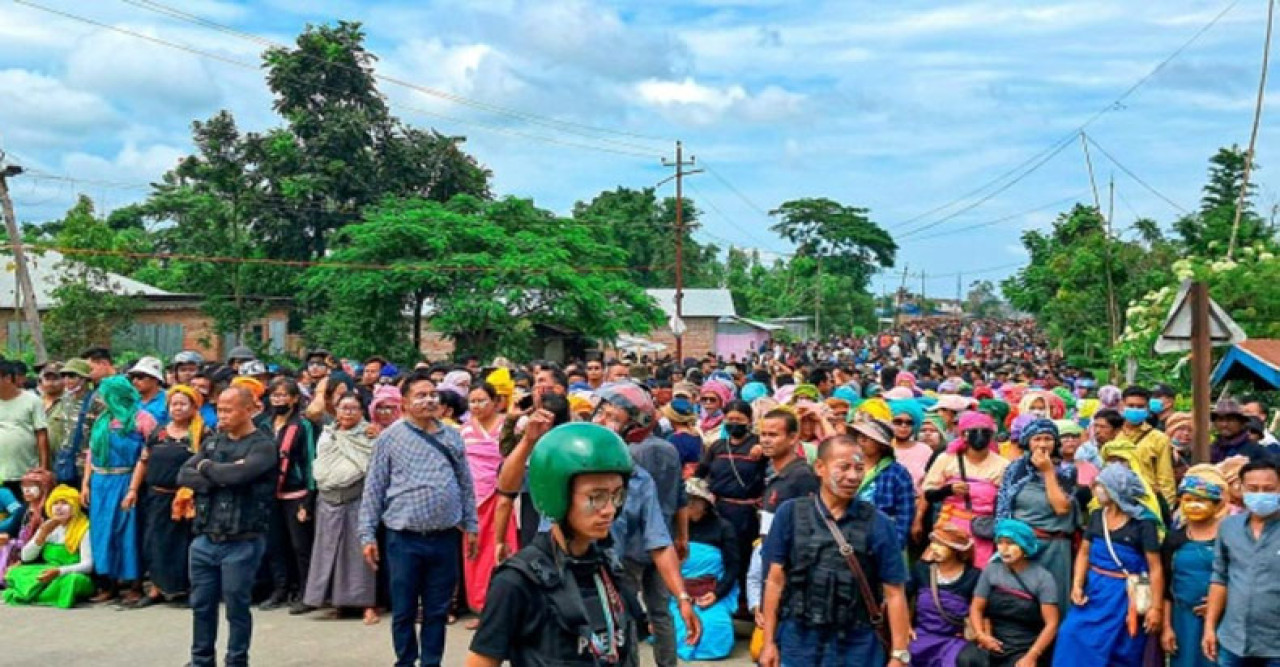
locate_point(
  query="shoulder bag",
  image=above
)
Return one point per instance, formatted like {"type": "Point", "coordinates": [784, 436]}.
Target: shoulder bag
{"type": "Point", "coordinates": [937, 602]}
{"type": "Point", "coordinates": [983, 527]}
{"type": "Point", "coordinates": [876, 613]}
{"type": "Point", "coordinates": [1138, 586]}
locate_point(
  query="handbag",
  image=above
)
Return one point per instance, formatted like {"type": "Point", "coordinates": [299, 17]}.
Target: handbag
{"type": "Point", "coordinates": [969, 633]}
{"type": "Point", "coordinates": [879, 620]}
{"type": "Point", "coordinates": [982, 527]}
{"type": "Point", "coordinates": [1138, 586]}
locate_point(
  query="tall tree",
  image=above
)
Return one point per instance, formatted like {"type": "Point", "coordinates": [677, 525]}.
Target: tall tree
{"type": "Point", "coordinates": [484, 273]}
{"type": "Point", "coordinates": [1207, 232]}
{"type": "Point", "coordinates": [644, 228]}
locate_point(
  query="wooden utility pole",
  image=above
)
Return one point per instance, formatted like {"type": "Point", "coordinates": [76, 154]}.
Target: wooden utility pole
{"type": "Point", "coordinates": [26, 291]}
{"type": "Point", "coordinates": [1201, 368]}
{"type": "Point", "coordinates": [679, 164]}
{"type": "Point", "coordinates": [897, 298]}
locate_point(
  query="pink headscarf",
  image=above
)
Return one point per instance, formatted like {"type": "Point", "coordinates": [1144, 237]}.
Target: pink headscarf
{"type": "Point", "coordinates": [725, 394]}
{"type": "Point", "coordinates": [906, 379]}
{"type": "Point", "coordinates": [385, 394]}
{"type": "Point", "coordinates": [969, 421]}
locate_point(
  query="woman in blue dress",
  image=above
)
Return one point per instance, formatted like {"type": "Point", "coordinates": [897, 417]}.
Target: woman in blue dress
{"type": "Point", "coordinates": [1188, 557]}
{"type": "Point", "coordinates": [112, 477]}
{"type": "Point", "coordinates": [1122, 540]}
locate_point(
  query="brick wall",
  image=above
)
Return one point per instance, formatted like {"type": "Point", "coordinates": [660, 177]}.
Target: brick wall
{"type": "Point", "coordinates": [699, 337]}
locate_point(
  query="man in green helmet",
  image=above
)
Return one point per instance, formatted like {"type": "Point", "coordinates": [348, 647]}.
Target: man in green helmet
{"type": "Point", "coordinates": [563, 597]}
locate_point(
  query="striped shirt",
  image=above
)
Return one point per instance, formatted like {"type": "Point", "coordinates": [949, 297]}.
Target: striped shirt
{"type": "Point", "coordinates": [412, 486]}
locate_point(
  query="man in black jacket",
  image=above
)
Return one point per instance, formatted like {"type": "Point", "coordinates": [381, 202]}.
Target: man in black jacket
{"type": "Point", "coordinates": [234, 479]}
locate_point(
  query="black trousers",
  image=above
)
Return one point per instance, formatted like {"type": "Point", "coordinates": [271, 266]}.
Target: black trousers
{"type": "Point", "coordinates": [289, 545]}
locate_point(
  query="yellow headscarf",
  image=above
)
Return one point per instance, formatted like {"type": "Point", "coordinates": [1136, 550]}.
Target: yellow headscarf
{"type": "Point", "coordinates": [253, 384]}
{"type": "Point", "coordinates": [876, 407]}
{"type": "Point", "coordinates": [500, 380]}
{"type": "Point", "coordinates": [197, 421]}
{"type": "Point", "coordinates": [79, 523]}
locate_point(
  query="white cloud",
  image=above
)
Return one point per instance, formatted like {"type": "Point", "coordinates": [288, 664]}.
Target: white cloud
{"type": "Point", "coordinates": [698, 104]}
{"type": "Point", "coordinates": [142, 73]}
{"type": "Point", "coordinates": [37, 109]}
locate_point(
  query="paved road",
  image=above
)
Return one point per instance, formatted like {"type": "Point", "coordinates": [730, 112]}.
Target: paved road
{"type": "Point", "coordinates": [159, 636]}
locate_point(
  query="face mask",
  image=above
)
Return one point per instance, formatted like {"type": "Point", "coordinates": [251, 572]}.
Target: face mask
{"type": "Point", "coordinates": [737, 431]}
{"type": "Point", "coordinates": [1262, 503]}
{"type": "Point", "coordinates": [281, 409]}
{"type": "Point", "coordinates": [1039, 414]}
{"type": "Point", "coordinates": [1157, 405]}
{"type": "Point", "coordinates": [979, 439]}
{"type": "Point", "coordinates": [1136, 415]}
{"type": "Point", "coordinates": [1197, 510]}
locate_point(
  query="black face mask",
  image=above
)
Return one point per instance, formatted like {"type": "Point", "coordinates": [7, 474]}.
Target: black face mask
{"type": "Point", "coordinates": [979, 439]}
{"type": "Point", "coordinates": [281, 409]}
{"type": "Point", "coordinates": [737, 431]}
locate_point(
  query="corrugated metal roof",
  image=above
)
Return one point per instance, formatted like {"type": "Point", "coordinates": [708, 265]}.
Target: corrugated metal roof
{"type": "Point", "coordinates": [47, 269]}
{"type": "Point", "coordinates": [697, 302]}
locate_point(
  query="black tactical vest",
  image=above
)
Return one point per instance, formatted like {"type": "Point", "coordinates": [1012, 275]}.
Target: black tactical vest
{"type": "Point", "coordinates": [821, 590]}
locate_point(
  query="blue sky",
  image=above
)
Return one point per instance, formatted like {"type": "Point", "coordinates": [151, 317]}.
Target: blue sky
{"type": "Point", "coordinates": [898, 107]}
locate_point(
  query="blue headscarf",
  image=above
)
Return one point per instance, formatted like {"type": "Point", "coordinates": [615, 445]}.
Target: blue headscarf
{"type": "Point", "coordinates": [909, 406]}
{"type": "Point", "coordinates": [846, 393]}
{"type": "Point", "coordinates": [1020, 472]}
{"type": "Point", "coordinates": [753, 390]}
{"type": "Point", "coordinates": [1125, 489]}
{"type": "Point", "coordinates": [1020, 533]}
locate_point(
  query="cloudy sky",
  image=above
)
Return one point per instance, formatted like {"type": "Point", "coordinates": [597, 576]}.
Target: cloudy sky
{"type": "Point", "coordinates": [923, 112]}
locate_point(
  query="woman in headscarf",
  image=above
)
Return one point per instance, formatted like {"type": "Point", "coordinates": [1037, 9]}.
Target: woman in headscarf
{"type": "Point", "coordinates": [1014, 613]}
{"type": "Point", "coordinates": [711, 399]}
{"type": "Point", "coordinates": [58, 559]}
{"type": "Point", "coordinates": [966, 480]}
{"type": "Point", "coordinates": [1070, 434]}
{"type": "Point", "coordinates": [292, 528]}
{"type": "Point", "coordinates": [36, 485]}
{"type": "Point", "coordinates": [165, 537]}
{"type": "Point", "coordinates": [338, 573]}
{"type": "Point", "coordinates": [112, 480]}
{"type": "Point", "coordinates": [385, 409]}
{"type": "Point", "coordinates": [1187, 555]}
{"type": "Point", "coordinates": [912, 454]}
{"type": "Point", "coordinates": [711, 574]}
{"type": "Point", "coordinates": [942, 583]}
{"type": "Point", "coordinates": [734, 469]}
{"type": "Point", "coordinates": [480, 436]}
{"type": "Point", "coordinates": [931, 433]}
{"type": "Point", "coordinates": [1121, 541]}
{"type": "Point", "coordinates": [1037, 490]}
{"type": "Point", "coordinates": [887, 484]}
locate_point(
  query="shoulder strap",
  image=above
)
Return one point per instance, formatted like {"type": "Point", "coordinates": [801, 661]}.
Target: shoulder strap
{"type": "Point", "coordinates": [290, 432]}
{"type": "Point", "coordinates": [850, 558]}
{"type": "Point", "coordinates": [1106, 533]}
{"type": "Point", "coordinates": [968, 498]}
{"type": "Point", "coordinates": [439, 447]}
{"type": "Point", "coordinates": [1023, 584]}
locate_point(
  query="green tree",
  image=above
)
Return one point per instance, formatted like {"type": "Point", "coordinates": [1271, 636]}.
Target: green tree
{"type": "Point", "coordinates": [89, 304]}
{"type": "Point", "coordinates": [486, 273]}
{"type": "Point", "coordinates": [644, 228]}
{"type": "Point", "coordinates": [982, 300]}
{"type": "Point", "coordinates": [1207, 232]}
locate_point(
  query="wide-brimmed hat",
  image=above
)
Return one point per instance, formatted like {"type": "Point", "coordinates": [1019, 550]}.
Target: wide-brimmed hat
{"type": "Point", "coordinates": [696, 487]}
{"type": "Point", "coordinates": [149, 366]}
{"type": "Point", "coordinates": [77, 367]}
{"type": "Point", "coordinates": [876, 429]}
{"type": "Point", "coordinates": [1228, 407]}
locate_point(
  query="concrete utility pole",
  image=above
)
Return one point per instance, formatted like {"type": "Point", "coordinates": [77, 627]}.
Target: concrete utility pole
{"type": "Point", "coordinates": [679, 164]}
{"type": "Point", "coordinates": [26, 290]}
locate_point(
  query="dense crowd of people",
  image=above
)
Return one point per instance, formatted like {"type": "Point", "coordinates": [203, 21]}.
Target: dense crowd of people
{"type": "Point", "coordinates": [949, 492]}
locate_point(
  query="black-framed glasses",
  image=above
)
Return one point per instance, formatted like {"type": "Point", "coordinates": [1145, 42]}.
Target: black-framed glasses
{"type": "Point", "coordinates": [903, 422]}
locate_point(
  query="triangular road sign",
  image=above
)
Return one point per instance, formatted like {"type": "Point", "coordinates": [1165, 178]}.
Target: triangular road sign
{"type": "Point", "coordinates": [1175, 335]}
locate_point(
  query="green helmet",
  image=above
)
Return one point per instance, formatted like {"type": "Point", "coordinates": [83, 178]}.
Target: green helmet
{"type": "Point", "coordinates": [569, 450]}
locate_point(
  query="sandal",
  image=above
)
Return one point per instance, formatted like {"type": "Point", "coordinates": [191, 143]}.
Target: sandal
{"type": "Point", "coordinates": [103, 596]}
{"type": "Point", "coordinates": [371, 616]}
{"type": "Point", "coordinates": [147, 601]}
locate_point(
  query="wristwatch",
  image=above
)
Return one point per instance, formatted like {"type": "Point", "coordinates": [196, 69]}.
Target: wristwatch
{"type": "Point", "coordinates": [685, 597]}
{"type": "Point", "coordinates": [902, 655]}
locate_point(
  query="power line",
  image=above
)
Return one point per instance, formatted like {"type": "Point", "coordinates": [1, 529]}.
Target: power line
{"type": "Point", "coordinates": [1114, 105]}
{"type": "Point", "coordinates": [562, 125]}
{"type": "Point", "coordinates": [1253, 134]}
{"type": "Point", "coordinates": [1135, 177]}
{"type": "Point", "coordinates": [989, 223]}
{"type": "Point", "coordinates": [1052, 154]}
{"type": "Point", "coordinates": [240, 63]}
